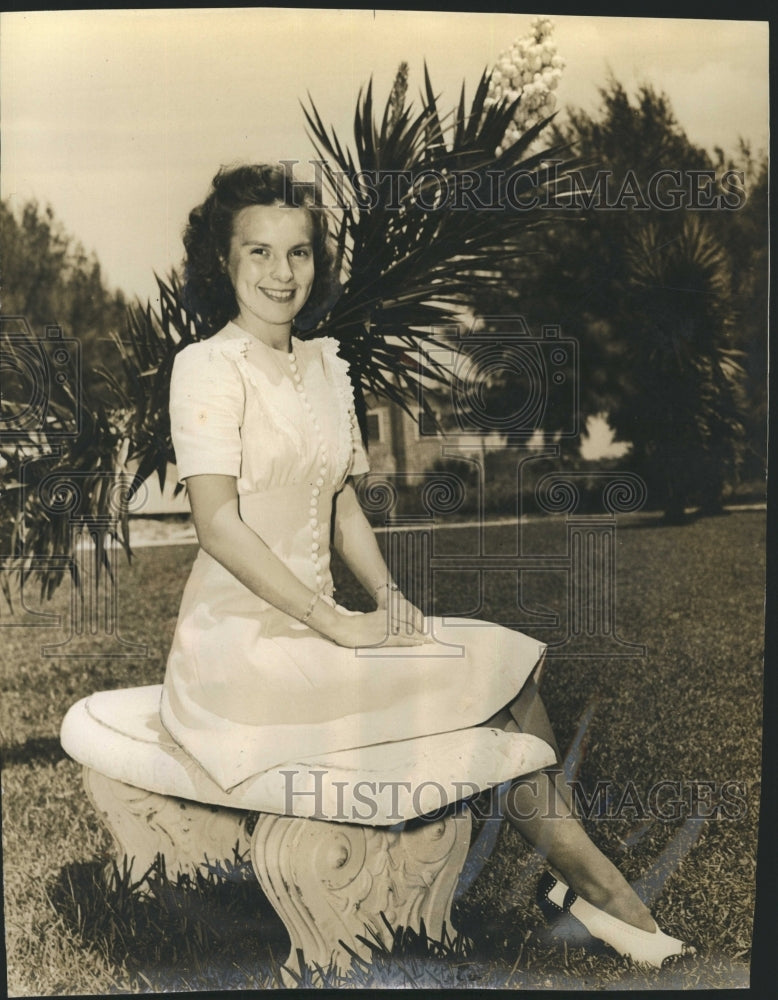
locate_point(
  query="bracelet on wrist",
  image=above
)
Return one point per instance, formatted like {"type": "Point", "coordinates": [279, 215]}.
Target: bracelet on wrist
{"type": "Point", "coordinates": [309, 609]}
{"type": "Point", "coordinates": [389, 586]}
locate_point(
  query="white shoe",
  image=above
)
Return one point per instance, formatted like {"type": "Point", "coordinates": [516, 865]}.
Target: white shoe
{"type": "Point", "coordinates": [653, 948]}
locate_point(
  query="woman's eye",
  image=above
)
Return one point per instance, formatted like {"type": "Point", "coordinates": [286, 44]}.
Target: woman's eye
{"type": "Point", "coordinates": [302, 252]}
{"type": "Point", "coordinates": [259, 251]}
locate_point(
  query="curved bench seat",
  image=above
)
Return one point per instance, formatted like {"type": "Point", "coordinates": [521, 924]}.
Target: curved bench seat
{"type": "Point", "coordinates": [119, 734]}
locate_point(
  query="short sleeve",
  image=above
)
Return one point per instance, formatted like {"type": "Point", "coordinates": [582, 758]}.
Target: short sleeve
{"type": "Point", "coordinates": [359, 463]}
{"type": "Point", "coordinates": [206, 412]}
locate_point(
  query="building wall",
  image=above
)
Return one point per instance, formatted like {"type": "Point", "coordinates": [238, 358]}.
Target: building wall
{"type": "Point", "coordinates": [396, 444]}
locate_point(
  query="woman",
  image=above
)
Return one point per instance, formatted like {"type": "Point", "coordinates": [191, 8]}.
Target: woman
{"type": "Point", "coordinates": [263, 667]}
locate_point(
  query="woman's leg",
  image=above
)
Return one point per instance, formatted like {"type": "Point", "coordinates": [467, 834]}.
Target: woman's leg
{"type": "Point", "coordinates": [538, 806]}
{"type": "Point", "coordinates": [537, 809]}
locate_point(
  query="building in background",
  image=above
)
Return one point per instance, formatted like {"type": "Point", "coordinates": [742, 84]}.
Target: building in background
{"type": "Point", "coordinates": [397, 443]}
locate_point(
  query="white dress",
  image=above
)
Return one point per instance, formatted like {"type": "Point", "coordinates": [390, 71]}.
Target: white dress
{"type": "Point", "coordinates": [248, 687]}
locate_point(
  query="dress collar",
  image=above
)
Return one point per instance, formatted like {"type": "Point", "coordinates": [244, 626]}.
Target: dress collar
{"type": "Point", "coordinates": [233, 332]}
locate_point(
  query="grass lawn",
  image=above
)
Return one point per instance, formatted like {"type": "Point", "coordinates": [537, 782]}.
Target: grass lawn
{"type": "Point", "coordinates": [687, 713]}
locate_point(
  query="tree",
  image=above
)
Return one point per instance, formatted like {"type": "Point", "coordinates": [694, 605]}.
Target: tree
{"type": "Point", "coordinates": [650, 294]}
{"type": "Point", "coordinates": [49, 279]}
{"type": "Point", "coordinates": [745, 236]}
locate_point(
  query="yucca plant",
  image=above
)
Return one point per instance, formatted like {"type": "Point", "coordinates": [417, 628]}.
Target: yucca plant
{"type": "Point", "coordinates": [683, 412]}
{"type": "Point", "coordinates": [410, 262]}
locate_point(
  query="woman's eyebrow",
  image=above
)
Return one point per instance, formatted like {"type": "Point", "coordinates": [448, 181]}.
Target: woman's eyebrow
{"type": "Point", "coordinates": [260, 243]}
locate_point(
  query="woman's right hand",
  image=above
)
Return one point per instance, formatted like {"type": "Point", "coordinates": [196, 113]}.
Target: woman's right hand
{"type": "Point", "coordinates": [375, 628]}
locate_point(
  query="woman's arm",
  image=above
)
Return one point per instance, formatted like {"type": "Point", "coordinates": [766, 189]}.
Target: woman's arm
{"type": "Point", "coordinates": [231, 542]}
{"type": "Point", "coordinates": [354, 540]}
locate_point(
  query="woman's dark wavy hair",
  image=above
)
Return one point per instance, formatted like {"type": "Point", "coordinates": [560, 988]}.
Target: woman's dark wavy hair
{"type": "Point", "coordinates": [207, 290]}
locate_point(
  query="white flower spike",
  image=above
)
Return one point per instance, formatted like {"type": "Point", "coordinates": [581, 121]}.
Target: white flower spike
{"type": "Point", "coordinates": [530, 68]}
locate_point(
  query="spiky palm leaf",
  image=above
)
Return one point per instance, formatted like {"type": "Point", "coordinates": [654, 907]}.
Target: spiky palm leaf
{"type": "Point", "coordinates": [62, 468]}
{"type": "Point", "coordinates": [411, 269]}
{"type": "Point", "coordinates": [407, 271]}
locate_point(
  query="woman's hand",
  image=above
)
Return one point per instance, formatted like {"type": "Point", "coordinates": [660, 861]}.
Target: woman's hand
{"type": "Point", "coordinates": [377, 628]}
{"type": "Point", "coordinates": [401, 611]}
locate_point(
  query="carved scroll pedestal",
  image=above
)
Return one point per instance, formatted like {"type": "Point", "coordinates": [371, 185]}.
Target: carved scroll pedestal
{"type": "Point", "coordinates": [188, 835]}
{"type": "Point", "coordinates": [328, 882]}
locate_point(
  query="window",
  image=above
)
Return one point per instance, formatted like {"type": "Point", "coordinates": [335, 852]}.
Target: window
{"type": "Point", "coordinates": [375, 426]}
{"type": "Point", "coordinates": [423, 427]}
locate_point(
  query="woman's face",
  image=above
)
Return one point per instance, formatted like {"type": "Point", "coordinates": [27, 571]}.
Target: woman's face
{"type": "Point", "coordinates": [270, 265]}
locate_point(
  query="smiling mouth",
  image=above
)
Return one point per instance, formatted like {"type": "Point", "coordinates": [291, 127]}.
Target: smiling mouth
{"type": "Point", "coordinates": [278, 296]}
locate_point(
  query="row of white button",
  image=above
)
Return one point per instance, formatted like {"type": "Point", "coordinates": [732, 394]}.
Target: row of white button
{"type": "Point", "coordinates": [314, 521]}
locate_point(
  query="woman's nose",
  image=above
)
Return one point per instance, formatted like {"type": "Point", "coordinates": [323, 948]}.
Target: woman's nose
{"type": "Point", "coordinates": [282, 269]}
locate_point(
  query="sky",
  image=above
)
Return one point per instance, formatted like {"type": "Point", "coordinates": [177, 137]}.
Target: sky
{"type": "Point", "coordinates": [119, 118]}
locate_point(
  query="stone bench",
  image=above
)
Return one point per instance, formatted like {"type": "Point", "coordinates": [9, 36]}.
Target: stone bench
{"type": "Point", "coordinates": [326, 836]}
